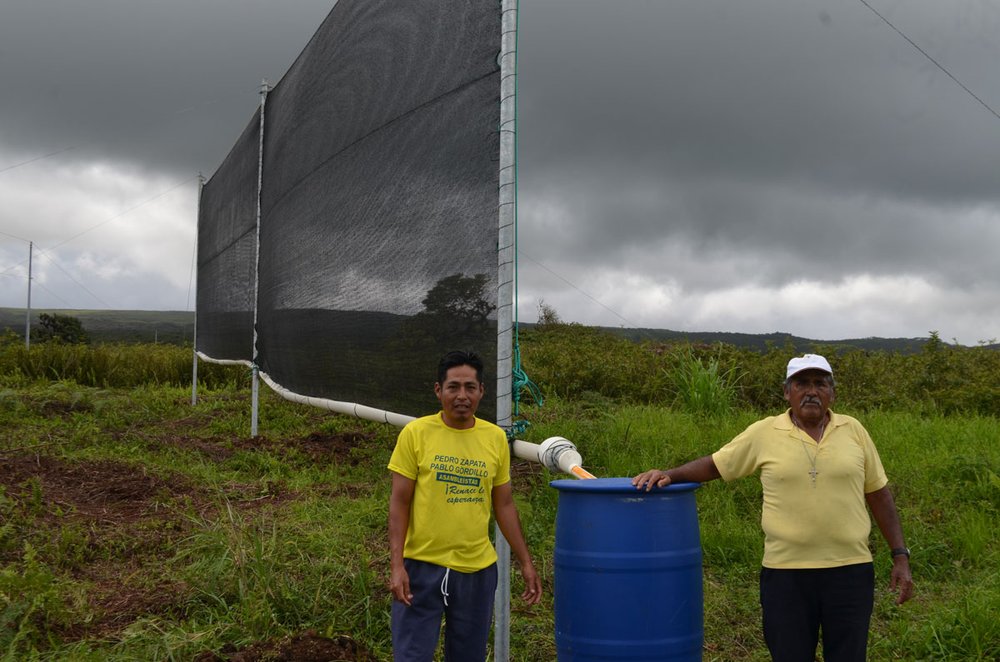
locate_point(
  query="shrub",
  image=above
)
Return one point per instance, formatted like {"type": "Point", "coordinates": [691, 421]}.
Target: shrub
{"type": "Point", "coordinates": [570, 360]}
{"type": "Point", "coordinates": [702, 386]}
{"type": "Point", "coordinates": [111, 365]}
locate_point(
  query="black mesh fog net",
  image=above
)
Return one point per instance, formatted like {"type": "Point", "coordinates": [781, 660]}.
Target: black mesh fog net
{"type": "Point", "coordinates": [378, 235]}
{"type": "Point", "coordinates": [227, 245]}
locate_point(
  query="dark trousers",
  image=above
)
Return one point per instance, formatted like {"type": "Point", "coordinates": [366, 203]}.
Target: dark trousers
{"type": "Point", "coordinates": [464, 599]}
{"type": "Point", "coordinates": [798, 604]}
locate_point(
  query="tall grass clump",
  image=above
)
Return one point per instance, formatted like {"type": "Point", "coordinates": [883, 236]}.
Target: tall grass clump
{"type": "Point", "coordinates": [967, 628]}
{"type": "Point", "coordinates": [571, 360]}
{"type": "Point", "coordinates": [116, 365]}
{"type": "Point", "coordinates": [275, 576]}
{"type": "Point", "coordinates": [701, 385]}
{"type": "Point", "coordinates": [35, 601]}
{"type": "Point", "coordinates": [234, 565]}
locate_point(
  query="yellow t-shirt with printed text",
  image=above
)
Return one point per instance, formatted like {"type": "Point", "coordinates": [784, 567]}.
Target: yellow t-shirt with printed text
{"type": "Point", "coordinates": [455, 473]}
{"type": "Point", "coordinates": [821, 523]}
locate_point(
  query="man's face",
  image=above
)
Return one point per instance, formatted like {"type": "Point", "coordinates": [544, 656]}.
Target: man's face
{"type": "Point", "coordinates": [459, 395]}
{"type": "Point", "coordinates": [809, 393]}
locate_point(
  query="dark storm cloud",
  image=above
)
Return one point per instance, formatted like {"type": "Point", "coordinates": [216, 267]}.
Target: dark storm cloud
{"type": "Point", "coordinates": [752, 90]}
{"type": "Point", "coordinates": [167, 85]}
{"type": "Point", "coordinates": [686, 162]}
{"type": "Point", "coordinates": [766, 141]}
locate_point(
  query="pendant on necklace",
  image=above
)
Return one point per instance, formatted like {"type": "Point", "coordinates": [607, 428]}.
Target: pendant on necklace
{"type": "Point", "coordinates": [812, 462]}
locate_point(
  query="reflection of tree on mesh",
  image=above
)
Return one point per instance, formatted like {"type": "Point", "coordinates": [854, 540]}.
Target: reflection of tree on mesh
{"type": "Point", "coordinates": [460, 297]}
{"type": "Point", "coordinates": [456, 313]}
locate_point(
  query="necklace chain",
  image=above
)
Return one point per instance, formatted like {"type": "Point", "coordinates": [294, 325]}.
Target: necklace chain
{"type": "Point", "coordinates": [812, 458]}
{"type": "Point", "coordinates": [812, 462]}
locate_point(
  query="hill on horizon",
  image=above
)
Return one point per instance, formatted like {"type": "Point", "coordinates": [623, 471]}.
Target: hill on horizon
{"type": "Point", "coordinates": [128, 326]}
{"type": "Point", "coordinates": [765, 341]}
{"type": "Point", "coordinates": [177, 327]}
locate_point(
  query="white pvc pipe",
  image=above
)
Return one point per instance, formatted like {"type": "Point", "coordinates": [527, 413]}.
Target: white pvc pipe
{"type": "Point", "coordinates": [206, 357]}
{"type": "Point", "coordinates": [349, 408]}
{"type": "Point", "coordinates": [558, 454]}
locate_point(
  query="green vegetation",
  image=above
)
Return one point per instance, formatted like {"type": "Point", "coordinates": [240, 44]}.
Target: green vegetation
{"type": "Point", "coordinates": [134, 526]}
{"type": "Point", "coordinates": [61, 328]}
{"type": "Point", "coordinates": [108, 365]}
{"type": "Point", "coordinates": [134, 326]}
{"type": "Point", "coordinates": [573, 362]}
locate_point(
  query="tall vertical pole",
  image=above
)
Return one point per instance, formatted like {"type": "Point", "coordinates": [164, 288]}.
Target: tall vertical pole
{"type": "Point", "coordinates": [505, 292]}
{"type": "Point", "coordinates": [254, 398]}
{"type": "Point", "coordinates": [194, 333]}
{"type": "Point", "coordinates": [254, 376]}
{"type": "Point", "coordinates": [194, 365]}
{"type": "Point", "coordinates": [27, 315]}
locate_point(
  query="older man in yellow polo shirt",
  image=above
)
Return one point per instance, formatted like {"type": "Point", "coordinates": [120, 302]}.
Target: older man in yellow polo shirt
{"type": "Point", "coordinates": [818, 469]}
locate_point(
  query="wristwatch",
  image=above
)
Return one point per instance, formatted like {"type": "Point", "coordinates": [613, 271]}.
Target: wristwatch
{"type": "Point", "coordinates": [896, 551]}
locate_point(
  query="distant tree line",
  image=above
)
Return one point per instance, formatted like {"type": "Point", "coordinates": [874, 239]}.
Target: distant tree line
{"type": "Point", "coordinates": [588, 364]}
{"type": "Point", "coordinates": [59, 328]}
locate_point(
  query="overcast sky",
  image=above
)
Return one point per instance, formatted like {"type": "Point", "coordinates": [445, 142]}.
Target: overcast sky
{"type": "Point", "coordinates": [705, 165]}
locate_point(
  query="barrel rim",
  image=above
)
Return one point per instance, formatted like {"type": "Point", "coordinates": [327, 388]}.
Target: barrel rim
{"type": "Point", "coordinates": [616, 486]}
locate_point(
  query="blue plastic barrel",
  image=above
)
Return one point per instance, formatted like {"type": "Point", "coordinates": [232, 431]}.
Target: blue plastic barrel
{"type": "Point", "coordinates": [628, 582]}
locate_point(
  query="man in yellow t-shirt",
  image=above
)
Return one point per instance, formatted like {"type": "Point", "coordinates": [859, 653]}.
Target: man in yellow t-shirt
{"type": "Point", "coordinates": [818, 469]}
{"type": "Point", "coordinates": [450, 470]}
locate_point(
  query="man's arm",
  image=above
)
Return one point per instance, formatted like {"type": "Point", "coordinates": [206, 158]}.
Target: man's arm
{"type": "Point", "coordinates": [701, 470]}
{"type": "Point", "coordinates": [399, 522]}
{"type": "Point", "coordinates": [883, 508]}
{"type": "Point", "coordinates": [510, 525]}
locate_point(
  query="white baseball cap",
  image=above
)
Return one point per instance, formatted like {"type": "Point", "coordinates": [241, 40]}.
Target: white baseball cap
{"type": "Point", "coordinates": [807, 362]}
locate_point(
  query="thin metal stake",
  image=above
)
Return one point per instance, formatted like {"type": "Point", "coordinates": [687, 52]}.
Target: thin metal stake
{"type": "Point", "coordinates": [27, 316]}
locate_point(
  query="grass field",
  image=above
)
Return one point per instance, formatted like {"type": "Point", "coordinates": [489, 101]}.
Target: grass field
{"type": "Point", "coordinates": [134, 526]}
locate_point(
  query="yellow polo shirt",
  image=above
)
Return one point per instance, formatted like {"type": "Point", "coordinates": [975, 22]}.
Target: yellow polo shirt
{"type": "Point", "coordinates": [455, 471]}
{"type": "Point", "coordinates": [809, 524]}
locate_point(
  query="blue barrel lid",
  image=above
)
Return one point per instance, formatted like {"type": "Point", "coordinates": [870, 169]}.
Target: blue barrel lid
{"type": "Point", "coordinates": [615, 486]}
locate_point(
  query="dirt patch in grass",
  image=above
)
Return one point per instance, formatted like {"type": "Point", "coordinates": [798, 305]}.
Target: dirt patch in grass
{"type": "Point", "coordinates": [103, 490]}
{"type": "Point", "coordinates": [102, 521]}
{"type": "Point", "coordinates": [215, 449]}
{"type": "Point", "coordinates": [99, 521]}
{"type": "Point", "coordinates": [304, 647]}
{"type": "Point", "coordinates": [319, 447]}
{"type": "Point", "coordinates": [523, 473]}
{"type": "Point", "coordinates": [346, 448]}
{"type": "Point", "coordinates": [348, 490]}
{"type": "Point", "coordinates": [121, 593]}
{"type": "Point", "coordinates": [110, 524]}
{"type": "Point", "coordinates": [61, 408]}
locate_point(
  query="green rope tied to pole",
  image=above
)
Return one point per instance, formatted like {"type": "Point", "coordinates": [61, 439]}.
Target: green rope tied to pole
{"type": "Point", "coordinates": [521, 382]}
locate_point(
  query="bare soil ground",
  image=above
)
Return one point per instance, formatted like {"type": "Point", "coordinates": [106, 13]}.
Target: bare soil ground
{"type": "Point", "coordinates": [137, 515]}
{"type": "Point", "coordinates": [305, 647]}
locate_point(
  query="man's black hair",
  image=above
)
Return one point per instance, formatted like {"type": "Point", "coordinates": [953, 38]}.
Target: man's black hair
{"type": "Point", "coordinates": [457, 358]}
